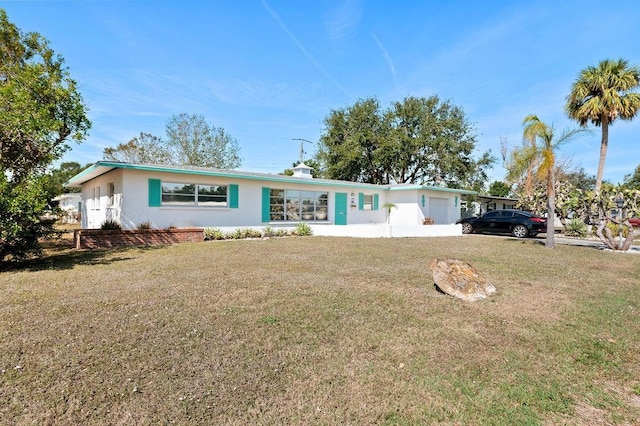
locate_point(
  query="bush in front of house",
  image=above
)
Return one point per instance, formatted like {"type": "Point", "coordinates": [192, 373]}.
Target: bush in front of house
{"type": "Point", "coordinates": [268, 231]}
{"type": "Point", "coordinates": [111, 225]}
{"type": "Point", "coordinates": [242, 233]}
{"type": "Point", "coordinates": [213, 234]}
{"type": "Point", "coordinates": [144, 225]}
{"type": "Point", "coordinates": [303, 230]}
{"type": "Point", "coordinates": [283, 232]}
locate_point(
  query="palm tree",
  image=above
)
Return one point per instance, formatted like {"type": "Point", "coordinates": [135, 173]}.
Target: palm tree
{"type": "Point", "coordinates": [602, 94]}
{"type": "Point", "coordinates": [544, 160]}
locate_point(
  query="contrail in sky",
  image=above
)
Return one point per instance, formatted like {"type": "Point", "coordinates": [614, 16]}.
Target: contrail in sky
{"type": "Point", "coordinates": [304, 51]}
{"type": "Point", "coordinates": [387, 57]}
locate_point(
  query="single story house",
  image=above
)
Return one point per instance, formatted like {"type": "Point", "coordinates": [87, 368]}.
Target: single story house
{"type": "Point", "coordinates": [71, 206]}
{"type": "Point", "coordinates": [183, 196]}
{"type": "Point", "coordinates": [486, 203]}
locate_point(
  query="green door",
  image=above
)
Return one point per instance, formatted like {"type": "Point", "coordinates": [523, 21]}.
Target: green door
{"type": "Point", "coordinates": [341, 208]}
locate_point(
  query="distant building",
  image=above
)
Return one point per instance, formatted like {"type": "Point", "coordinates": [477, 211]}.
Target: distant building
{"type": "Point", "coordinates": [71, 205]}
{"type": "Point", "coordinates": [486, 203]}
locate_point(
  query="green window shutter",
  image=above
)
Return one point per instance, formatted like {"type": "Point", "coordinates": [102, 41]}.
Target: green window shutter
{"type": "Point", "coordinates": [375, 201]}
{"type": "Point", "coordinates": [266, 201]}
{"type": "Point", "coordinates": [233, 196]}
{"type": "Point", "coordinates": [155, 193]}
{"type": "Point", "coordinates": [360, 201]}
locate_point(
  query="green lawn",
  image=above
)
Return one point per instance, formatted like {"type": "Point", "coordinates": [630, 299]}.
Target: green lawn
{"type": "Point", "coordinates": [320, 331]}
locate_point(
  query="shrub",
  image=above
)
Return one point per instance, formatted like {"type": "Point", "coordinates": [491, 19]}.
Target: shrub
{"type": "Point", "coordinates": [111, 225]}
{"type": "Point", "coordinates": [253, 233]}
{"type": "Point", "coordinates": [235, 235]}
{"type": "Point", "coordinates": [615, 229]}
{"type": "Point", "coordinates": [268, 231]}
{"type": "Point", "coordinates": [242, 233]}
{"type": "Point", "coordinates": [303, 229]}
{"type": "Point", "coordinates": [282, 232]}
{"type": "Point", "coordinates": [576, 228]}
{"type": "Point", "coordinates": [213, 234]}
{"type": "Point", "coordinates": [21, 218]}
{"type": "Point", "coordinates": [144, 225]}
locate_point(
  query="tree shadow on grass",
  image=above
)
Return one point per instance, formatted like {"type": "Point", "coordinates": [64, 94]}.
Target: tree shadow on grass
{"type": "Point", "coordinates": [60, 256]}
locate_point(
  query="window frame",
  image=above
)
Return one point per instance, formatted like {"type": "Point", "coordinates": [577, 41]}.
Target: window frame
{"type": "Point", "coordinates": [196, 194]}
{"type": "Point", "coordinates": [365, 205]}
{"type": "Point", "coordinates": [296, 205]}
{"type": "Point", "coordinates": [95, 204]}
{"type": "Point", "coordinates": [367, 202]}
{"type": "Point", "coordinates": [111, 194]}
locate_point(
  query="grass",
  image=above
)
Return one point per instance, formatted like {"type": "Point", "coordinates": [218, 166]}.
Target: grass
{"type": "Point", "coordinates": [320, 331]}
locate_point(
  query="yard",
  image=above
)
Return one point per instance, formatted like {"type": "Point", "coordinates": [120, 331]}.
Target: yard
{"type": "Point", "coordinates": [320, 331]}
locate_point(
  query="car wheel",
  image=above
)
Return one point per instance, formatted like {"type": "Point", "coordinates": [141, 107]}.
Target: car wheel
{"type": "Point", "coordinates": [467, 228]}
{"type": "Point", "coordinates": [520, 231]}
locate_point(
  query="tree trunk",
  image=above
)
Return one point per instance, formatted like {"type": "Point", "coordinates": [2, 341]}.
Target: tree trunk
{"type": "Point", "coordinates": [550, 242]}
{"type": "Point", "coordinates": [604, 143]}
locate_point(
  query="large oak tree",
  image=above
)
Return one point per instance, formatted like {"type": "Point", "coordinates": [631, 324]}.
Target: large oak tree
{"type": "Point", "coordinates": [418, 140]}
{"type": "Point", "coordinates": [40, 111]}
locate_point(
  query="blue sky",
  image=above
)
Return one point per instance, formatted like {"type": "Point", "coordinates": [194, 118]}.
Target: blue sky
{"type": "Point", "coordinates": [269, 71]}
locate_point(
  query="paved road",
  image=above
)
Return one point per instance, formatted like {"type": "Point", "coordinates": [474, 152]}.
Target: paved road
{"type": "Point", "coordinates": [587, 243]}
{"type": "Point", "coordinates": [567, 241]}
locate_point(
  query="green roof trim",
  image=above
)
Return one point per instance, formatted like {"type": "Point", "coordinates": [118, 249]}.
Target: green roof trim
{"type": "Point", "coordinates": [102, 167]}
{"type": "Point", "coordinates": [430, 188]}
{"type": "Point", "coordinates": [81, 174]}
{"type": "Point", "coordinates": [109, 165]}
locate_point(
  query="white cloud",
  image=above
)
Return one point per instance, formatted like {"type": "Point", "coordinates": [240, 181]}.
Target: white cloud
{"type": "Point", "coordinates": [343, 20]}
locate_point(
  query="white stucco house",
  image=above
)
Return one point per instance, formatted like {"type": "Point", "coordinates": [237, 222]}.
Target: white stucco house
{"type": "Point", "coordinates": [71, 206]}
{"type": "Point", "coordinates": [183, 196]}
{"type": "Point", "coordinates": [486, 203]}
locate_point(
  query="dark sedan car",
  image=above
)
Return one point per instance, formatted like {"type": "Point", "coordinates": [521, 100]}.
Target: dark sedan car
{"type": "Point", "coordinates": [515, 222]}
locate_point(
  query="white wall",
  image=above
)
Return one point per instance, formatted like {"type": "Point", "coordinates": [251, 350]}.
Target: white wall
{"type": "Point", "coordinates": [133, 208]}
{"type": "Point", "coordinates": [136, 210]}
{"type": "Point", "coordinates": [387, 231]}
{"type": "Point", "coordinates": [413, 205]}
{"type": "Point", "coordinates": [96, 210]}
{"type": "Point", "coordinates": [70, 201]}
{"type": "Point", "coordinates": [357, 216]}
{"type": "Point", "coordinates": [131, 204]}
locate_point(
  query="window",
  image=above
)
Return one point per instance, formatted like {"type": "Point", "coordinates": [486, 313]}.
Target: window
{"type": "Point", "coordinates": [492, 214]}
{"type": "Point", "coordinates": [288, 205]}
{"type": "Point", "coordinates": [367, 202]}
{"type": "Point", "coordinates": [96, 198]}
{"type": "Point", "coordinates": [182, 194]}
{"type": "Point", "coordinates": [111, 192]}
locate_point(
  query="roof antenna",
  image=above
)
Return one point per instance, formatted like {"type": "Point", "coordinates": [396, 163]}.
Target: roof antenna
{"type": "Point", "coordinates": [302, 141]}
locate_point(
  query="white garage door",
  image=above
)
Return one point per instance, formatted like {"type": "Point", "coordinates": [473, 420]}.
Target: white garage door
{"type": "Point", "coordinates": [439, 210]}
